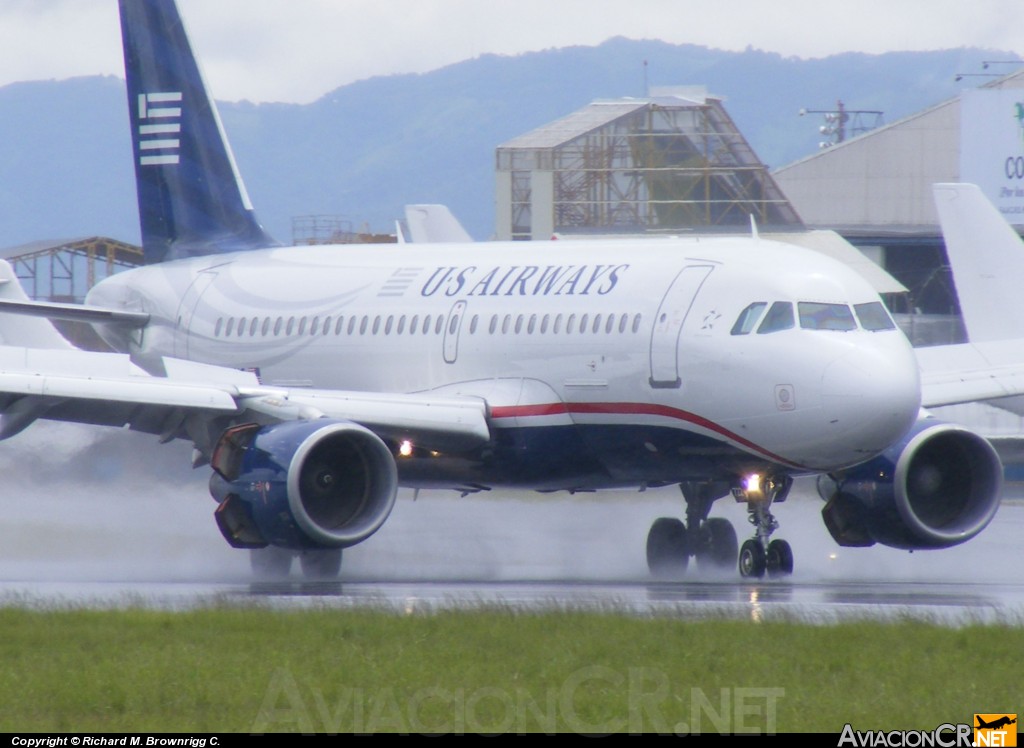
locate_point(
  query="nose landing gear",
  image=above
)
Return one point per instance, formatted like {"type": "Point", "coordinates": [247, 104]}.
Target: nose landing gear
{"type": "Point", "coordinates": [760, 554]}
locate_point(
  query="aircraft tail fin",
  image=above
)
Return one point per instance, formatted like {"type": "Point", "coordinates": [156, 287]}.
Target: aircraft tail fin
{"type": "Point", "coordinates": [434, 223]}
{"type": "Point", "coordinates": [192, 200]}
{"type": "Point", "coordinates": [987, 259]}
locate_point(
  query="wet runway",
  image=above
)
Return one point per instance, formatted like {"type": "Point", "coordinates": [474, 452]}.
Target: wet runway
{"type": "Point", "coordinates": [117, 520]}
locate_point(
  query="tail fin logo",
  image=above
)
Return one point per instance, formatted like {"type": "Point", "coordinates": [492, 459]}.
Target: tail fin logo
{"type": "Point", "coordinates": [159, 128]}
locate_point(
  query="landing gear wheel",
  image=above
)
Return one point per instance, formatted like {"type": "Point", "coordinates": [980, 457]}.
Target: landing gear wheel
{"type": "Point", "coordinates": [321, 564]}
{"type": "Point", "coordinates": [752, 559]}
{"type": "Point", "coordinates": [718, 545]}
{"type": "Point", "coordinates": [667, 549]}
{"type": "Point", "coordinates": [270, 563]}
{"type": "Point", "coordinates": [779, 559]}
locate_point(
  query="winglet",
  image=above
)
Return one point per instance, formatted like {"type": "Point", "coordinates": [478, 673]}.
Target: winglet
{"type": "Point", "coordinates": [987, 259]}
{"type": "Point", "coordinates": [191, 197]}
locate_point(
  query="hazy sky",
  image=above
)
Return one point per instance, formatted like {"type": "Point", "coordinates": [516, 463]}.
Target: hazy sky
{"type": "Point", "coordinates": [297, 50]}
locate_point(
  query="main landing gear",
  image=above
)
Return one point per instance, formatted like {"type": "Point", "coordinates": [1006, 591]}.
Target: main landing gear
{"type": "Point", "coordinates": [273, 563]}
{"type": "Point", "coordinates": [712, 540]}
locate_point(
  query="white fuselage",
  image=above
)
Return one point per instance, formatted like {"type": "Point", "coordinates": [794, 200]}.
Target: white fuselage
{"type": "Point", "coordinates": [616, 341]}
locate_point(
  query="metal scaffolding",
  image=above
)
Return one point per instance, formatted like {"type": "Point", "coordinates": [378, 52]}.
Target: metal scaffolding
{"type": "Point", "coordinates": [638, 165]}
{"type": "Point", "coordinates": [65, 271]}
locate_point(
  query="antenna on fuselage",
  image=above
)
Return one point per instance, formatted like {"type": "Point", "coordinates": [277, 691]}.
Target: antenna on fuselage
{"type": "Point", "coordinates": [753, 228]}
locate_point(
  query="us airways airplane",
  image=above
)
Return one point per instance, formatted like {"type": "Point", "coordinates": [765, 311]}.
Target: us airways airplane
{"type": "Point", "coordinates": [317, 380]}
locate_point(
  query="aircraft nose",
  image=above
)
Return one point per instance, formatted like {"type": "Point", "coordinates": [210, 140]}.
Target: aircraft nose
{"type": "Point", "coordinates": [871, 398]}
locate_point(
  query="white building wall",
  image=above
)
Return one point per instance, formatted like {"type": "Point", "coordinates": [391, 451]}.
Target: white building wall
{"type": "Point", "coordinates": [880, 179]}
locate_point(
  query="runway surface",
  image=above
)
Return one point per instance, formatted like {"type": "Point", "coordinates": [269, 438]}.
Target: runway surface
{"type": "Point", "coordinates": [112, 520]}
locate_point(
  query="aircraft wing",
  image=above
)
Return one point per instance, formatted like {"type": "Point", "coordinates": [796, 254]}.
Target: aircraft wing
{"type": "Point", "coordinates": [108, 389]}
{"type": "Point", "coordinates": [954, 374]}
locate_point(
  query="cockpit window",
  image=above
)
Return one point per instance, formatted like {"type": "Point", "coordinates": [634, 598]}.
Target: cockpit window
{"type": "Point", "coordinates": [748, 318]}
{"type": "Point", "coordinates": [816, 316]}
{"type": "Point", "coordinates": [779, 317]}
{"type": "Point", "coordinates": [873, 316]}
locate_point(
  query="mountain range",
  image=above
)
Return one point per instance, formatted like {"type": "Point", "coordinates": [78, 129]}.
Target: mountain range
{"type": "Point", "coordinates": [366, 149]}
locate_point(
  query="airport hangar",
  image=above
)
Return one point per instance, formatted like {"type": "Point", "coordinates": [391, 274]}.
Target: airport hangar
{"type": "Point", "coordinates": [674, 162]}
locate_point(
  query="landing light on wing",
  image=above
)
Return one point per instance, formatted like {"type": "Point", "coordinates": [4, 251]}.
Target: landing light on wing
{"type": "Point", "coordinates": [405, 448]}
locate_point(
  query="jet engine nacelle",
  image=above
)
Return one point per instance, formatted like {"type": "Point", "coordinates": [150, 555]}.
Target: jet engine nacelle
{"type": "Point", "coordinates": [938, 487]}
{"type": "Point", "coordinates": [302, 484]}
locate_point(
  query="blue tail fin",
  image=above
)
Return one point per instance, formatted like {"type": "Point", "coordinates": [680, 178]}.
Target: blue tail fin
{"type": "Point", "coordinates": [191, 197]}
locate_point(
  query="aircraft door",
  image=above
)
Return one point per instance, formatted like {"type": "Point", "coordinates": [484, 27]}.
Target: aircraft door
{"type": "Point", "coordinates": [452, 327]}
{"type": "Point", "coordinates": [187, 310]}
{"type": "Point", "coordinates": [668, 324]}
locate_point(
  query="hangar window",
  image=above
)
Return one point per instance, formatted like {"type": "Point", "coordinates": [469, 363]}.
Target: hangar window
{"type": "Point", "coordinates": [873, 317]}
{"type": "Point", "coordinates": [818, 316]}
{"type": "Point", "coordinates": [779, 317]}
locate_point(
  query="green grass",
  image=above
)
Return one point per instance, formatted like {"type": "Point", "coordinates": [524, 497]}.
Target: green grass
{"type": "Point", "coordinates": [245, 669]}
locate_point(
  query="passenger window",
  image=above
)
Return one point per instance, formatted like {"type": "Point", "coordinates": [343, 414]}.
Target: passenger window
{"type": "Point", "coordinates": [610, 324]}
{"type": "Point", "coordinates": [817, 316]}
{"type": "Point", "coordinates": [426, 324]}
{"type": "Point", "coordinates": [597, 324]}
{"type": "Point", "coordinates": [376, 324]}
{"type": "Point", "coordinates": [748, 318]}
{"type": "Point", "coordinates": [252, 326]}
{"type": "Point", "coordinates": [216, 328]}
{"type": "Point", "coordinates": [266, 326]}
{"type": "Point", "coordinates": [314, 326]}
{"type": "Point", "coordinates": [519, 324]}
{"type": "Point", "coordinates": [473, 323]}
{"type": "Point", "coordinates": [571, 324]}
{"type": "Point", "coordinates": [439, 325]}
{"type": "Point", "coordinates": [558, 324]}
{"type": "Point", "coordinates": [779, 317]}
{"type": "Point", "coordinates": [583, 322]}
{"type": "Point", "coordinates": [302, 326]}
{"type": "Point", "coordinates": [505, 323]}
{"type": "Point", "coordinates": [533, 324]}
{"type": "Point", "coordinates": [401, 325]}
{"type": "Point", "coordinates": [241, 327]}
{"type": "Point", "coordinates": [873, 316]}
{"type": "Point", "coordinates": [494, 324]}
{"type": "Point", "coordinates": [544, 323]}
{"type": "Point", "coordinates": [414, 324]}
{"type": "Point", "coordinates": [290, 327]}
{"type": "Point", "coordinates": [278, 325]}
{"type": "Point", "coordinates": [363, 325]}
{"type": "Point", "coordinates": [230, 328]}
{"type": "Point", "coordinates": [623, 321]}
{"type": "Point", "coordinates": [389, 324]}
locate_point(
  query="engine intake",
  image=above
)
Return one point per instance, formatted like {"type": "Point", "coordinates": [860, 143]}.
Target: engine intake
{"type": "Point", "coordinates": [302, 484]}
{"type": "Point", "coordinates": [939, 487]}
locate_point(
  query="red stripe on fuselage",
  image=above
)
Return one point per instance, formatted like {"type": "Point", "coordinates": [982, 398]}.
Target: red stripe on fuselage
{"type": "Point", "coordinates": [631, 409]}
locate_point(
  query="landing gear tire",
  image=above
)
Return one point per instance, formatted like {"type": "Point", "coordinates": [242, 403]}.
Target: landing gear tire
{"type": "Point", "coordinates": [779, 559]}
{"type": "Point", "coordinates": [668, 551]}
{"type": "Point", "coordinates": [322, 565]}
{"type": "Point", "coordinates": [270, 563]}
{"type": "Point", "coordinates": [718, 545]}
{"type": "Point", "coordinates": [752, 559]}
